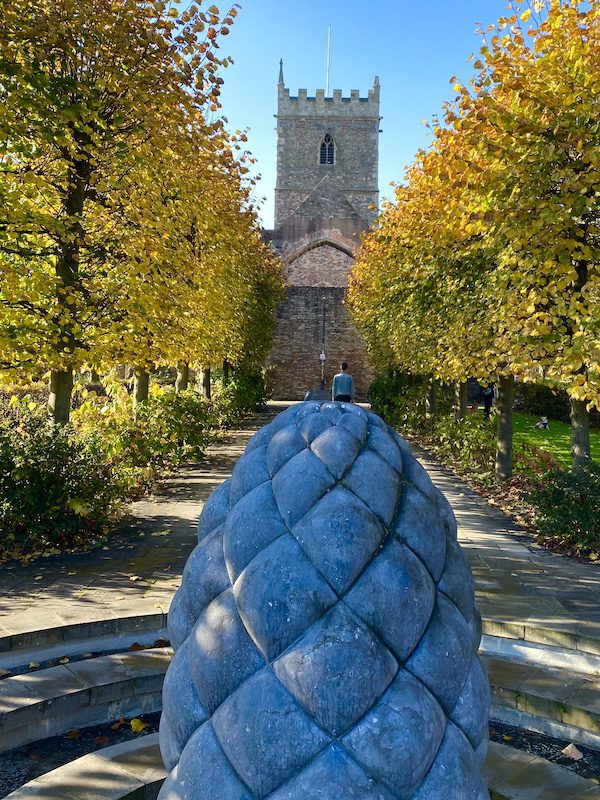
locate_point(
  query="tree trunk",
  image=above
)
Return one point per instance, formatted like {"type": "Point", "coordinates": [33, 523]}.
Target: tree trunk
{"type": "Point", "coordinates": [205, 382]}
{"type": "Point", "coordinates": [460, 401]}
{"type": "Point", "coordinates": [183, 377]}
{"type": "Point", "coordinates": [67, 273]}
{"type": "Point", "coordinates": [141, 386]}
{"type": "Point", "coordinates": [505, 430]}
{"type": "Point", "coordinates": [431, 405]}
{"type": "Point", "coordinates": [225, 372]}
{"type": "Point", "coordinates": [59, 402]}
{"type": "Point", "coordinates": [580, 433]}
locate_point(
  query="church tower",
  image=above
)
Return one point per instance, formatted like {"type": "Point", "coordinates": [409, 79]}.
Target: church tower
{"type": "Point", "coordinates": [326, 196]}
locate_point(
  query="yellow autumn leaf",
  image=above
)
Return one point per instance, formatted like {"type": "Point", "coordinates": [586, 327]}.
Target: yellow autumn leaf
{"type": "Point", "coordinates": [137, 726]}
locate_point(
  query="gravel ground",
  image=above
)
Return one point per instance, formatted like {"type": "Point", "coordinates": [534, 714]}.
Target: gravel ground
{"type": "Point", "coordinates": [547, 747]}
{"type": "Point", "coordinates": [26, 763]}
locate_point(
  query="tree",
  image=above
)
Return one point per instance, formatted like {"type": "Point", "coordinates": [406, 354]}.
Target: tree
{"type": "Point", "coordinates": [90, 91]}
{"type": "Point", "coordinates": [486, 265]}
{"type": "Point", "coordinates": [537, 126]}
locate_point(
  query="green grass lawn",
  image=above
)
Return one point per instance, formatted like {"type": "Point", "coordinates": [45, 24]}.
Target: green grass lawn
{"type": "Point", "coordinates": [556, 440]}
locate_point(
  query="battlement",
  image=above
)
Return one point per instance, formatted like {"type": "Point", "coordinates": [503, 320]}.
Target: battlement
{"type": "Point", "coordinates": [303, 105]}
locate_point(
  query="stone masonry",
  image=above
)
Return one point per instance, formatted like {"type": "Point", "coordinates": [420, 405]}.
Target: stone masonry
{"type": "Point", "coordinates": [323, 265]}
{"type": "Point", "coordinates": [321, 211]}
{"type": "Point", "coordinates": [298, 341]}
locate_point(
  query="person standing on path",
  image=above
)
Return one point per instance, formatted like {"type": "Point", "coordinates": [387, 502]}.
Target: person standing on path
{"type": "Point", "coordinates": [342, 388]}
{"type": "Point", "coordinates": [488, 399]}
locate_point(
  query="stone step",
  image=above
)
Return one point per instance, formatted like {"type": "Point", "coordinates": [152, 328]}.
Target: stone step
{"type": "Point", "coordinates": [514, 622]}
{"type": "Point", "coordinates": [58, 699]}
{"type": "Point", "coordinates": [133, 770]}
{"type": "Point", "coordinates": [540, 654]}
{"type": "Point", "coordinates": [17, 661]}
{"type": "Point", "coordinates": [81, 632]}
{"type": "Point", "coordinates": [562, 633]}
{"type": "Point", "coordinates": [551, 700]}
{"type": "Point", "coordinates": [552, 690]}
{"type": "Point", "coordinates": [48, 702]}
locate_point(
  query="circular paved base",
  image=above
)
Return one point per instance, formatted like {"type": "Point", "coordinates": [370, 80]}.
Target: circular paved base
{"type": "Point", "coordinates": [134, 770]}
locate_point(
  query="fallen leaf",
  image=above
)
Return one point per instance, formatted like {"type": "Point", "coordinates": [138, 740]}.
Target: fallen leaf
{"type": "Point", "coordinates": [33, 665]}
{"type": "Point", "coordinates": [73, 735]}
{"type": "Point", "coordinates": [64, 660]}
{"type": "Point", "coordinates": [116, 725]}
{"type": "Point", "coordinates": [101, 740]}
{"type": "Point", "coordinates": [507, 738]}
{"type": "Point", "coordinates": [572, 752]}
{"type": "Point", "coordinates": [134, 578]}
{"type": "Point", "coordinates": [134, 647]}
{"type": "Point", "coordinates": [137, 726]}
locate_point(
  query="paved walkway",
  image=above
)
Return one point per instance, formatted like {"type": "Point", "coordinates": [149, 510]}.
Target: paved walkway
{"type": "Point", "coordinates": [518, 583]}
{"type": "Point", "coordinates": [139, 574]}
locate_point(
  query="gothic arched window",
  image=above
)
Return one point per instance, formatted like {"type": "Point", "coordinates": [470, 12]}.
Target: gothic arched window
{"type": "Point", "coordinates": [327, 152]}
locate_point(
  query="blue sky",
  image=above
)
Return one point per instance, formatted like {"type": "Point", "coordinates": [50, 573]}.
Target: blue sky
{"type": "Point", "coordinates": [415, 48]}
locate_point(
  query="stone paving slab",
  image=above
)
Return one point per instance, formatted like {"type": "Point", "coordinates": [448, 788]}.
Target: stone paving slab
{"type": "Point", "coordinates": [522, 776]}
{"type": "Point", "coordinates": [523, 591]}
{"type": "Point", "coordinates": [519, 583]}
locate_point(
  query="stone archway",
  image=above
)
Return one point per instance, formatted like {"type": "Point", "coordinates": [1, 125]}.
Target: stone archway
{"type": "Point", "coordinates": [322, 262]}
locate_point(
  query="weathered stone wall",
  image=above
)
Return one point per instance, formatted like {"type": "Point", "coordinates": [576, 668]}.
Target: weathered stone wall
{"type": "Point", "coordinates": [321, 210]}
{"type": "Point", "coordinates": [299, 233]}
{"type": "Point", "coordinates": [321, 266]}
{"type": "Point", "coordinates": [353, 122]}
{"type": "Point", "coordinates": [298, 332]}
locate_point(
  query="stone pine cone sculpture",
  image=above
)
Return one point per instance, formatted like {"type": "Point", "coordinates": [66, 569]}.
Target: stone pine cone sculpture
{"type": "Point", "coordinates": [325, 631]}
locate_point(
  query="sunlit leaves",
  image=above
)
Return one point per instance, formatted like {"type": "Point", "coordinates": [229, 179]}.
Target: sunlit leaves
{"type": "Point", "coordinates": [487, 262]}
{"type": "Point", "coordinates": [126, 231]}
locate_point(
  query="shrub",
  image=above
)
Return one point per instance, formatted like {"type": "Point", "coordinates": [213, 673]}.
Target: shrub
{"type": "Point", "coordinates": [61, 486]}
{"type": "Point", "coordinates": [567, 505]}
{"type": "Point", "coordinates": [534, 398]}
{"type": "Point", "coordinates": [167, 430]}
{"type": "Point", "coordinates": [243, 394]}
{"type": "Point", "coordinates": [56, 489]}
{"type": "Point", "coordinates": [468, 447]}
{"type": "Point", "coordinates": [399, 401]}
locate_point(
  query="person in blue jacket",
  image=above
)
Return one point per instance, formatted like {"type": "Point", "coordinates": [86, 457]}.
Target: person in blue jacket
{"type": "Point", "coordinates": [342, 388]}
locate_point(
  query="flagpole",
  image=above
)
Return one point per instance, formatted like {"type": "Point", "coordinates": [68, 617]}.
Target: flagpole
{"type": "Point", "coordinates": [328, 61]}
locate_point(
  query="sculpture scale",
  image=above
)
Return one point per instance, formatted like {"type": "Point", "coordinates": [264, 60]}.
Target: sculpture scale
{"type": "Point", "coordinates": [325, 631]}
